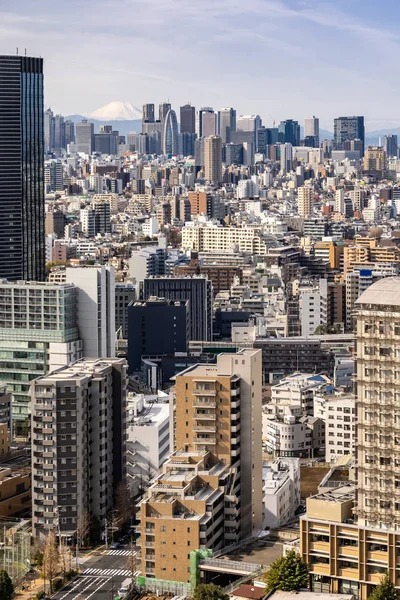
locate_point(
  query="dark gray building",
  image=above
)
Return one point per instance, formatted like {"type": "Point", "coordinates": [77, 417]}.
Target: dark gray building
{"type": "Point", "coordinates": [197, 289]}
{"type": "Point", "coordinates": [188, 119]}
{"type": "Point", "coordinates": [347, 129]}
{"type": "Point", "coordinates": [125, 293]}
{"type": "Point", "coordinates": [22, 249]}
{"type": "Point", "coordinates": [157, 327]}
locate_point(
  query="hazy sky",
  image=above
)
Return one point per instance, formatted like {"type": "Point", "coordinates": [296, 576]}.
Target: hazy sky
{"type": "Point", "coordinates": [279, 58]}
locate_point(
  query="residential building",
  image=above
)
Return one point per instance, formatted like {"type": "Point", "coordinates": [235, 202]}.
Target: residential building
{"type": "Point", "coordinates": [281, 491]}
{"type": "Point", "coordinates": [147, 444]}
{"type": "Point", "coordinates": [209, 493]}
{"type": "Point", "coordinates": [210, 238]}
{"type": "Point", "coordinates": [313, 303]}
{"type": "Point", "coordinates": [146, 262]}
{"type": "Point", "coordinates": [197, 289]}
{"type": "Point", "coordinates": [22, 239]}
{"type": "Point", "coordinates": [374, 159]}
{"type": "Point", "coordinates": [95, 308]}
{"type": "Point", "coordinates": [144, 337]}
{"type": "Point", "coordinates": [298, 389]}
{"type": "Point", "coordinates": [200, 203]}
{"type": "Point", "coordinates": [213, 159]}
{"type": "Point", "coordinates": [38, 331]}
{"type": "Point", "coordinates": [287, 433]}
{"type": "Point", "coordinates": [15, 492]}
{"type": "Point", "coordinates": [349, 129]}
{"type": "Point", "coordinates": [77, 444]}
{"type": "Point", "coordinates": [53, 176]}
{"type": "Point", "coordinates": [55, 223]}
{"type": "Point", "coordinates": [305, 201]}
{"type": "Point", "coordinates": [338, 410]}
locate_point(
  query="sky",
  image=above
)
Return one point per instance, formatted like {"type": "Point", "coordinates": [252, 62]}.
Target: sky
{"type": "Point", "coordinates": [278, 58]}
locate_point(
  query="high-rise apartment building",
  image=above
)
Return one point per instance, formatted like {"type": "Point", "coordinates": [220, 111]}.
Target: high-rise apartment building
{"type": "Point", "coordinates": [213, 159]}
{"type": "Point", "coordinates": [85, 137]}
{"type": "Point", "coordinates": [347, 129]}
{"type": "Point", "coordinates": [226, 124]}
{"type": "Point", "coordinates": [390, 145]}
{"type": "Point", "coordinates": [311, 129]}
{"type": "Point", "coordinates": [77, 444]}
{"type": "Point", "coordinates": [95, 309]}
{"type": "Point", "coordinates": [198, 290]}
{"type": "Point", "coordinates": [305, 200]}
{"type": "Point", "coordinates": [209, 494]}
{"type": "Point", "coordinates": [375, 159]}
{"type": "Point", "coordinates": [22, 239]}
{"type": "Point", "coordinates": [188, 119]}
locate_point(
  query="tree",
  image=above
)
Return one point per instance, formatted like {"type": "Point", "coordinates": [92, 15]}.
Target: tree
{"type": "Point", "coordinates": [132, 562]}
{"type": "Point", "coordinates": [123, 503]}
{"type": "Point", "coordinates": [83, 528]}
{"type": "Point", "coordinates": [288, 573]}
{"type": "Point", "coordinates": [51, 559]}
{"type": "Point", "coordinates": [6, 586]}
{"type": "Point", "coordinates": [209, 591]}
{"type": "Point", "coordinates": [385, 590]}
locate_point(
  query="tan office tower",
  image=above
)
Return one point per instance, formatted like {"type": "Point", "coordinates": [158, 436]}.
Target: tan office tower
{"type": "Point", "coordinates": [209, 494]}
{"type": "Point", "coordinates": [213, 158]}
{"type": "Point", "coordinates": [305, 200]}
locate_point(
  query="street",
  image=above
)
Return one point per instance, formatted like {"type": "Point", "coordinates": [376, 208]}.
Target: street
{"type": "Point", "coordinates": [100, 577]}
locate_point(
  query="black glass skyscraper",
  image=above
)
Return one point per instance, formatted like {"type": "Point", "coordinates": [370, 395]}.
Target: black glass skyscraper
{"type": "Point", "coordinates": [347, 129]}
{"type": "Point", "coordinates": [22, 249]}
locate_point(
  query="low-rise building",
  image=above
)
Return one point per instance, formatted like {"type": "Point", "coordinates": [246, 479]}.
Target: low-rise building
{"type": "Point", "coordinates": [281, 491]}
{"type": "Point", "coordinates": [339, 413]}
{"type": "Point", "coordinates": [15, 492]}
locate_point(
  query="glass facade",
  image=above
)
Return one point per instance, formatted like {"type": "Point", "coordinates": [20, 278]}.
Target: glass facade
{"type": "Point", "coordinates": [22, 252]}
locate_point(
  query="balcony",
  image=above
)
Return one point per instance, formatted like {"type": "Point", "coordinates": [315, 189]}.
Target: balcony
{"type": "Point", "coordinates": [149, 544]}
{"type": "Point", "coordinates": [204, 417]}
{"type": "Point", "coordinates": [152, 531]}
{"type": "Point", "coordinates": [320, 546]}
{"type": "Point", "coordinates": [205, 428]}
{"type": "Point", "coordinates": [199, 392]}
{"type": "Point", "coordinates": [150, 570]}
{"type": "Point", "coordinates": [198, 403]}
{"type": "Point", "coordinates": [205, 441]}
{"type": "Point", "coordinates": [320, 568]}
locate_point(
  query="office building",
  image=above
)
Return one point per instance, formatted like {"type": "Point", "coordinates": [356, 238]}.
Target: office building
{"type": "Point", "coordinates": [85, 137]}
{"type": "Point", "coordinates": [347, 129]}
{"type": "Point", "coordinates": [286, 158]}
{"type": "Point", "coordinates": [311, 130]}
{"type": "Point", "coordinates": [338, 410]}
{"type": "Point", "coordinates": [22, 247]}
{"type": "Point", "coordinates": [198, 290]}
{"type": "Point", "coordinates": [55, 223]}
{"type": "Point", "coordinates": [102, 210]}
{"type": "Point", "coordinates": [95, 309]}
{"type": "Point", "coordinates": [305, 200]}
{"type": "Point", "coordinates": [53, 176]}
{"type": "Point", "coordinates": [147, 444]}
{"type": "Point", "coordinates": [59, 134]}
{"type": "Point", "coordinates": [226, 124]}
{"type": "Point", "coordinates": [125, 293]}
{"type": "Point", "coordinates": [48, 121]}
{"type": "Point", "coordinates": [170, 133]}
{"type": "Point", "coordinates": [233, 154]}
{"type": "Point", "coordinates": [163, 110]}
{"type": "Point", "coordinates": [209, 493]}
{"type": "Point", "coordinates": [281, 491]}
{"type": "Point", "coordinates": [213, 159]}
{"type": "Point", "coordinates": [69, 128]}
{"type": "Point", "coordinates": [146, 262]}
{"type": "Point", "coordinates": [374, 159]}
{"type": "Point", "coordinates": [390, 145]}
{"type": "Point", "coordinates": [144, 337]}
{"type": "Point", "coordinates": [248, 123]}
{"type": "Point", "coordinates": [77, 444]}
{"type": "Point", "coordinates": [188, 119]}
{"type": "Point", "coordinates": [206, 122]}
{"type": "Point", "coordinates": [148, 113]}
{"type": "Point", "coordinates": [289, 132]}
{"type": "Point", "coordinates": [186, 144]}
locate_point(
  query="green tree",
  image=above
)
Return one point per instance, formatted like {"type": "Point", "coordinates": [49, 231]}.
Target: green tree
{"type": "Point", "coordinates": [288, 573]}
{"type": "Point", "coordinates": [6, 586]}
{"type": "Point", "coordinates": [209, 591]}
{"type": "Point", "coordinates": [385, 590]}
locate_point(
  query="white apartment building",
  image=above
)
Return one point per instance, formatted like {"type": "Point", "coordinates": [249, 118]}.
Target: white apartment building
{"type": "Point", "coordinates": [297, 390]}
{"type": "Point", "coordinates": [147, 438]}
{"type": "Point", "coordinates": [210, 238]}
{"type": "Point", "coordinates": [96, 309]}
{"type": "Point", "coordinates": [313, 301]}
{"type": "Point", "coordinates": [292, 435]}
{"type": "Point", "coordinates": [339, 413]}
{"type": "Point", "coordinates": [281, 491]}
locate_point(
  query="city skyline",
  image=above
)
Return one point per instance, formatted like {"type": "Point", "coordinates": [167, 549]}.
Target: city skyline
{"type": "Point", "coordinates": [263, 41]}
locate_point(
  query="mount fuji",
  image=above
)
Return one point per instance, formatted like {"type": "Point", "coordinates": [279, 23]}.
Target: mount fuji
{"type": "Point", "coordinates": [117, 111]}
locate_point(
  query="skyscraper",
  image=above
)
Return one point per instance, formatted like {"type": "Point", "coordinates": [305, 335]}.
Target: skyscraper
{"type": "Point", "coordinates": [347, 129]}
{"type": "Point", "coordinates": [22, 247]}
{"type": "Point", "coordinates": [248, 123]}
{"type": "Point", "coordinates": [163, 110]}
{"type": "Point", "coordinates": [188, 119]}
{"type": "Point", "coordinates": [206, 124]}
{"type": "Point", "coordinates": [226, 124]}
{"type": "Point", "coordinates": [59, 133]}
{"type": "Point", "coordinates": [286, 157]}
{"type": "Point", "coordinates": [311, 129]}
{"type": "Point", "coordinates": [148, 112]}
{"type": "Point", "coordinates": [213, 158]}
{"type": "Point", "coordinates": [170, 133]}
{"type": "Point", "coordinates": [48, 130]}
{"type": "Point", "coordinates": [390, 145]}
{"type": "Point", "coordinates": [85, 137]}
{"type": "Point", "coordinates": [289, 132]}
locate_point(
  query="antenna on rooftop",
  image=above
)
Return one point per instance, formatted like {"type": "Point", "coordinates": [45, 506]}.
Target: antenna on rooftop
{"type": "Point", "coordinates": [25, 51]}
{"type": "Point", "coordinates": [17, 51]}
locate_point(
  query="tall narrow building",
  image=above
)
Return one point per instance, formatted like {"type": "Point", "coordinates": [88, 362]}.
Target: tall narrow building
{"type": "Point", "coordinates": [349, 129]}
{"type": "Point", "coordinates": [213, 158]}
{"type": "Point", "coordinates": [305, 201]}
{"type": "Point", "coordinates": [170, 133]}
{"type": "Point", "coordinates": [226, 124]}
{"type": "Point", "coordinates": [22, 247]}
{"type": "Point", "coordinates": [188, 119]}
{"type": "Point", "coordinates": [209, 494]}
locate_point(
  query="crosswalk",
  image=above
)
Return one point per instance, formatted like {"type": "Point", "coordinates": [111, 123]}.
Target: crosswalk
{"type": "Point", "coordinates": [120, 553]}
{"type": "Point", "coordinates": [110, 572]}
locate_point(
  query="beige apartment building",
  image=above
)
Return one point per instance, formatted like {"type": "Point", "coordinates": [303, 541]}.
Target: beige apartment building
{"type": "Point", "coordinates": [213, 158]}
{"type": "Point", "coordinates": [351, 536]}
{"type": "Point", "coordinates": [209, 494]}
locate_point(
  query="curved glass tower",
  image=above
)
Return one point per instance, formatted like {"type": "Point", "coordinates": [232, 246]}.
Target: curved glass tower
{"type": "Point", "coordinates": [170, 133]}
{"type": "Point", "coordinates": [22, 249]}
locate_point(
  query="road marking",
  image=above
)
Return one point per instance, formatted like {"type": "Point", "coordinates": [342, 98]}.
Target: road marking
{"type": "Point", "coordinates": [107, 572]}
{"type": "Point", "coordinates": [77, 584]}
{"type": "Point", "coordinates": [97, 589]}
{"type": "Point", "coordinates": [121, 553]}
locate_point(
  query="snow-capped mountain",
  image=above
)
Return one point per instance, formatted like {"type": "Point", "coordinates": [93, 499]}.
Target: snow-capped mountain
{"type": "Point", "coordinates": [116, 111]}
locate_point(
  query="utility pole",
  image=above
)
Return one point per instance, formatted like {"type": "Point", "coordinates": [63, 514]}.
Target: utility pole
{"type": "Point", "coordinates": [77, 551]}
